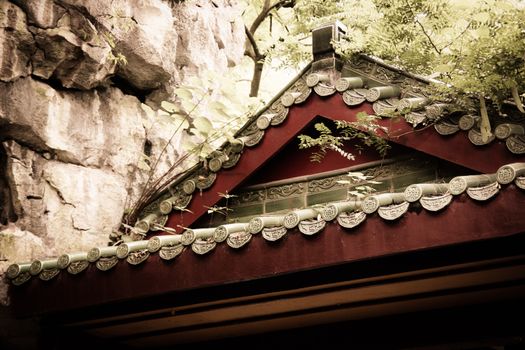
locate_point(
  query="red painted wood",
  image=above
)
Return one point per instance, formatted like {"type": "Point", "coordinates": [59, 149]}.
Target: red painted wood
{"type": "Point", "coordinates": [464, 220]}
{"type": "Point", "coordinates": [455, 148]}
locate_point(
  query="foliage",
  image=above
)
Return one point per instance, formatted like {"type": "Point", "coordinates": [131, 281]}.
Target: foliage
{"type": "Point", "coordinates": [365, 129]}
{"type": "Point", "coordinates": [206, 112]}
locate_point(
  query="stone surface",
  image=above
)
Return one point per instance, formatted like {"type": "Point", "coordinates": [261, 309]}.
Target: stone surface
{"type": "Point", "coordinates": [16, 43]}
{"type": "Point", "coordinates": [74, 136]}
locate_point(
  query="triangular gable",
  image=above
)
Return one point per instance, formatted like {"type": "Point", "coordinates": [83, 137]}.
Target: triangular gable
{"type": "Point", "coordinates": [309, 97]}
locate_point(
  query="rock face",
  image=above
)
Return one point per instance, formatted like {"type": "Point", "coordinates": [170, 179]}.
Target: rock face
{"type": "Point", "coordinates": [73, 74]}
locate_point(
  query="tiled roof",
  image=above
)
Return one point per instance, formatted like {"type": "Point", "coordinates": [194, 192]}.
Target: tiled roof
{"type": "Point", "coordinates": [387, 88]}
{"type": "Point", "coordinates": [309, 221]}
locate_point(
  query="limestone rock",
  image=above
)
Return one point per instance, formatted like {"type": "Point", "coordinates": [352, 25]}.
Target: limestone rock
{"type": "Point", "coordinates": [69, 206]}
{"type": "Point", "coordinates": [99, 128]}
{"type": "Point", "coordinates": [20, 246]}
{"type": "Point", "coordinates": [74, 53]}
{"type": "Point", "coordinates": [41, 13]}
{"type": "Point", "coordinates": [16, 42]}
{"type": "Point", "coordinates": [203, 25]}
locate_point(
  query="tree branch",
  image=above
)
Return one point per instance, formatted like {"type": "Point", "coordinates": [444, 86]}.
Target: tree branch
{"type": "Point", "coordinates": [256, 55]}
{"type": "Point", "coordinates": [264, 12]}
{"type": "Point", "coordinates": [428, 37]}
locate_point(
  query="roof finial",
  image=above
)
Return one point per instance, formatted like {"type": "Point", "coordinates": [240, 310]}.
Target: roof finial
{"type": "Point", "coordinates": [322, 47]}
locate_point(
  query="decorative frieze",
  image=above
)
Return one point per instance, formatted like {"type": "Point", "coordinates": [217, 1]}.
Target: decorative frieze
{"type": "Point", "coordinates": [352, 219]}
{"type": "Point", "coordinates": [393, 211]}
{"type": "Point", "coordinates": [238, 239]}
{"type": "Point", "coordinates": [446, 128]}
{"type": "Point", "coordinates": [346, 83]}
{"type": "Point", "coordinates": [483, 193]}
{"type": "Point", "coordinates": [105, 264]}
{"type": "Point", "coordinates": [203, 246]}
{"type": "Point", "coordinates": [311, 226]}
{"type": "Point", "coordinates": [137, 257]}
{"type": "Point", "coordinates": [170, 252]}
{"type": "Point", "coordinates": [475, 137]}
{"type": "Point", "coordinates": [273, 233]}
{"type": "Point", "coordinates": [77, 267]}
{"type": "Point", "coordinates": [435, 203]}
{"type": "Point", "coordinates": [48, 274]}
{"type": "Point", "coordinates": [468, 121]}
{"type": "Point", "coordinates": [516, 144]}
{"type": "Point", "coordinates": [354, 97]}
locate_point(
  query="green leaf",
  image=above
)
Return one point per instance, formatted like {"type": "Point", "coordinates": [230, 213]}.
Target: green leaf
{"type": "Point", "coordinates": [184, 93]}
{"type": "Point", "coordinates": [169, 107]}
{"type": "Point", "coordinates": [203, 125]}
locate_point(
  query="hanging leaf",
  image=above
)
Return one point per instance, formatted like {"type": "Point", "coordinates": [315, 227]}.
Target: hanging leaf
{"type": "Point", "coordinates": [203, 125]}
{"type": "Point", "coordinates": [169, 107]}
{"type": "Point", "coordinates": [184, 93]}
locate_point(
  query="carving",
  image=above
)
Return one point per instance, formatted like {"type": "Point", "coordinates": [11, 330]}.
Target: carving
{"type": "Point", "coordinates": [135, 258]}
{"type": "Point", "coordinates": [232, 160]}
{"type": "Point", "coordinates": [188, 236]}
{"type": "Point", "coordinates": [506, 174]}
{"type": "Point", "coordinates": [516, 144]}
{"type": "Point", "coordinates": [475, 137]}
{"type": "Point", "coordinates": [189, 186]}
{"type": "Point", "coordinates": [249, 197]}
{"type": "Point", "coordinates": [435, 203]}
{"type": "Point", "coordinates": [385, 107]}
{"type": "Point", "coordinates": [215, 164]}
{"type": "Point", "coordinates": [323, 89]}
{"type": "Point", "coordinates": [254, 138]}
{"type": "Point", "coordinates": [329, 212]}
{"type": "Point", "coordinates": [302, 88]}
{"type": "Point", "coordinates": [93, 254]}
{"type": "Point", "coordinates": [263, 122]}
{"type": "Point", "coordinates": [285, 191]}
{"type": "Point", "coordinates": [346, 83]}
{"type": "Point", "coordinates": [104, 264]}
{"type": "Point", "coordinates": [255, 225]}
{"type": "Point", "coordinates": [13, 270]}
{"type": "Point", "coordinates": [21, 278]}
{"type": "Point", "coordinates": [413, 193]}
{"type": "Point", "coordinates": [36, 267]}
{"type": "Point", "coordinates": [238, 239]}
{"type": "Point", "coordinates": [154, 244]}
{"type": "Point", "coordinates": [393, 211]}
{"type": "Point", "coordinates": [280, 112]}
{"type": "Point", "coordinates": [168, 253]}
{"type": "Point", "coordinates": [467, 122]}
{"type": "Point", "coordinates": [122, 251]}
{"type": "Point", "coordinates": [63, 261]}
{"type": "Point", "coordinates": [351, 220]}
{"type": "Point", "coordinates": [381, 92]}
{"type": "Point", "coordinates": [436, 111]}
{"type": "Point", "coordinates": [288, 98]}
{"type": "Point", "coordinates": [457, 185]}
{"type": "Point", "coordinates": [370, 204]}
{"type": "Point", "coordinates": [77, 267]}
{"type": "Point", "coordinates": [291, 220]}
{"type": "Point", "coordinates": [372, 95]}
{"type": "Point", "coordinates": [483, 193]}
{"type": "Point", "coordinates": [505, 130]}
{"type": "Point", "coordinates": [313, 79]}
{"type": "Point", "coordinates": [205, 181]}
{"type": "Point", "coordinates": [203, 246]}
{"type": "Point", "coordinates": [520, 182]}
{"type": "Point", "coordinates": [273, 233]}
{"type": "Point", "coordinates": [220, 234]}
{"type": "Point", "coordinates": [311, 227]}
{"type": "Point", "coordinates": [446, 128]}
{"type": "Point", "coordinates": [354, 97]}
{"type": "Point", "coordinates": [322, 185]}
{"type": "Point", "coordinates": [49, 274]}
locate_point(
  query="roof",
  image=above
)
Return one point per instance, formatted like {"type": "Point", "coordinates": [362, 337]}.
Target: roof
{"type": "Point", "coordinates": [349, 214]}
{"type": "Point", "coordinates": [142, 267]}
{"type": "Point", "coordinates": [339, 93]}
